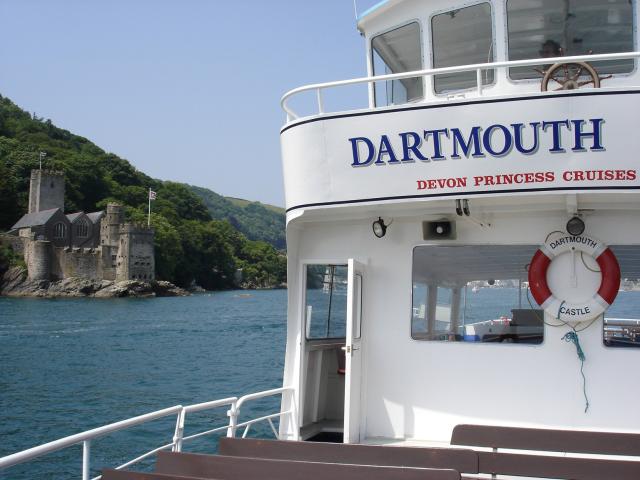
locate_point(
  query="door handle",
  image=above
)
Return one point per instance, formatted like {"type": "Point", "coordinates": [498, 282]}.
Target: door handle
{"type": "Point", "coordinates": [349, 348]}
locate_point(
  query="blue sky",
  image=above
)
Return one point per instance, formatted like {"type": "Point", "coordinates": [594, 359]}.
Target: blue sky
{"type": "Point", "coordinates": [186, 90]}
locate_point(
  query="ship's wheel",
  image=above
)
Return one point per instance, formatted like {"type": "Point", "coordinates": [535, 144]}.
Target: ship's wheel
{"type": "Point", "coordinates": [570, 76]}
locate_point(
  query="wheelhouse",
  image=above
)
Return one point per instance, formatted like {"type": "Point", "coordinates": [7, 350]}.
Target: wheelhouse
{"type": "Point", "coordinates": [413, 220]}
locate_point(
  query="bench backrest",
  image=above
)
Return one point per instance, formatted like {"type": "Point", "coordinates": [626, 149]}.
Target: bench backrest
{"type": "Point", "coordinates": [547, 440]}
{"type": "Point", "coordinates": [462, 460]}
{"type": "Point", "coordinates": [232, 468]}
{"type": "Point", "coordinates": [571, 441]}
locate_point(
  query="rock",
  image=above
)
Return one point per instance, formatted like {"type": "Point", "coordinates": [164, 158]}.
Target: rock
{"type": "Point", "coordinates": [129, 288]}
{"type": "Point", "coordinates": [168, 289]}
{"type": "Point", "coordinates": [12, 279]}
{"type": "Point", "coordinates": [14, 283]}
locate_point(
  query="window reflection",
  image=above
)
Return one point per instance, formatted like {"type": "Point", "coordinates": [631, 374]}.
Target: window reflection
{"type": "Point", "coordinates": [397, 51]}
{"type": "Point", "coordinates": [326, 301]}
{"type": "Point", "coordinates": [474, 294]}
{"type": "Point", "coordinates": [462, 37]}
{"type": "Point", "coordinates": [548, 28]}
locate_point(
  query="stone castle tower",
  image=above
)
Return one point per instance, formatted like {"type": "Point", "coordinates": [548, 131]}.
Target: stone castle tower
{"type": "Point", "coordinates": [46, 190]}
{"type": "Point", "coordinates": [135, 253]}
{"type": "Point", "coordinates": [127, 249]}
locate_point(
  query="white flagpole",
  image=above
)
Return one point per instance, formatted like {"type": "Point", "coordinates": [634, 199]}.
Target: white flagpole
{"type": "Point", "coordinates": [149, 219]}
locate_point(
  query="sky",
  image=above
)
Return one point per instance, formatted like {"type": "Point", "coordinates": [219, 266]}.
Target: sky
{"type": "Point", "coordinates": [186, 90]}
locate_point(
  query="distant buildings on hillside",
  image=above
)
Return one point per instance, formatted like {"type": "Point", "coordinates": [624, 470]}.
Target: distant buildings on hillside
{"type": "Point", "coordinates": [96, 245]}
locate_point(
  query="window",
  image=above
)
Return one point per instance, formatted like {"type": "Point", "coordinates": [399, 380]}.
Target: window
{"type": "Point", "coordinates": [621, 326]}
{"type": "Point", "coordinates": [474, 294]}
{"type": "Point", "coordinates": [326, 301]}
{"type": "Point", "coordinates": [548, 28]}
{"type": "Point", "coordinates": [82, 228]}
{"type": "Point", "coordinates": [59, 230]}
{"type": "Point", "coordinates": [462, 37]}
{"type": "Point", "coordinates": [397, 51]}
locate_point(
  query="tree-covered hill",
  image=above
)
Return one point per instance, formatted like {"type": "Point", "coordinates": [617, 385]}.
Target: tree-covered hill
{"type": "Point", "coordinates": [192, 245]}
{"type": "Point", "coordinates": [255, 220]}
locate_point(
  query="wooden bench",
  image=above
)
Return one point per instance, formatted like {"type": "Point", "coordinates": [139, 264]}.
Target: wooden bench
{"type": "Point", "coordinates": [111, 474]}
{"type": "Point", "coordinates": [231, 468]}
{"type": "Point", "coordinates": [462, 460]}
{"type": "Point", "coordinates": [548, 440]}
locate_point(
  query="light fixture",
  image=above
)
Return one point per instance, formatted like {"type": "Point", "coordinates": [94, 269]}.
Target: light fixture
{"type": "Point", "coordinates": [575, 226]}
{"type": "Point", "coordinates": [379, 228]}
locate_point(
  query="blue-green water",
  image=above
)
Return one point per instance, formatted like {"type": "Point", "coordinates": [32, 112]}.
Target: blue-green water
{"type": "Point", "coordinates": [68, 365]}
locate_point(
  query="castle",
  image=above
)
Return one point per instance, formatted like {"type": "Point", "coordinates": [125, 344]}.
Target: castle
{"type": "Point", "coordinates": [97, 245]}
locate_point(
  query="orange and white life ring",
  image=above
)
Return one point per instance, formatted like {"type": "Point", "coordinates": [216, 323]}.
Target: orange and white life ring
{"type": "Point", "coordinates": [565, 310]}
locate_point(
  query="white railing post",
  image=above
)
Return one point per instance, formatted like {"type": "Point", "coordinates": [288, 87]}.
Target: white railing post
{"type": "Point", "coordinates": [179, 432]}
{"type": "Point", "coordinates": [232, 413]}
{"type": "Point", "coordinates": [479, 80]}
{"type": "Point", "coordinates": [320, 104]}
{"type": "Point", "coordinates": [86, 460]}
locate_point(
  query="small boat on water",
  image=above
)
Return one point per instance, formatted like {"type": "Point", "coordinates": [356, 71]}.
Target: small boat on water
{"type": "Point", "coordinates": [495, 153]}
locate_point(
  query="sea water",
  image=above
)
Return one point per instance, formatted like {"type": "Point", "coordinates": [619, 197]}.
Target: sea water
{"type": "Point", "coordinates": [68, 365]}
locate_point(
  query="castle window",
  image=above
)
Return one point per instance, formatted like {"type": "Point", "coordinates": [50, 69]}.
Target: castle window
{"type": "Point", "coordinates": [82, 228]}
{"type": "Point", "coordinates": [59, 230]}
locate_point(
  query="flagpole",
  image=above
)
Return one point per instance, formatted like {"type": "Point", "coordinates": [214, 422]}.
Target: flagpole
{"type": "Point", "coordinates": [149, 219]}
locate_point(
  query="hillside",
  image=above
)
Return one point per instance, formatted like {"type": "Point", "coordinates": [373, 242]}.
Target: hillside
{"type": "Point", "coordinates": [192, 245]}
{"type": "Point", "coordinates": [255, 220]}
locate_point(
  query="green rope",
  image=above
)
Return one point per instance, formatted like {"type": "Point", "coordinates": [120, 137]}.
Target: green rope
{"type": "Point", "coordinates": [573, 337]}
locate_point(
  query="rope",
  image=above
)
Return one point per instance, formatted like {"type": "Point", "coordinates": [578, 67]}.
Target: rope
{"type": "Point", "coordinates": [572, 337]}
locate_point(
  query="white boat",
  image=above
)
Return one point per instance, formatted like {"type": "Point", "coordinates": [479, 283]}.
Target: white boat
{"type": "Point", "coordinates": [496, 145]}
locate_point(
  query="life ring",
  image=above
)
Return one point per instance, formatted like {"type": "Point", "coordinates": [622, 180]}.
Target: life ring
{"type": "Point", "coordinates": [563, 309]}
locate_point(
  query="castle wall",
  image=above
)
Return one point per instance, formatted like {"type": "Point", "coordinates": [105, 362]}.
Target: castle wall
{"type": "Point", "coordinates": [18, 243]}
{"type": "Point", "coordinates": [76, 262]}
{"type": "Point", "coordinates": [135, 253]}
{"type": "Point", "coordinates": [108, 262]}
{"type": "Point", "coordinates": [46, 190]}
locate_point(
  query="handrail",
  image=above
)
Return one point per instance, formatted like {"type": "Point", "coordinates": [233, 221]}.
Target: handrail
{"type": "Point", "coordinates": [234, 412]}
{"type": "Point", "coordinates": [478, 67]}
{"type": "Point", "coordinates": [25, 455]}
{"type": "Point", "coordinates": [86, 437]}
{"type": "Point", "coordinates": [179, 438]}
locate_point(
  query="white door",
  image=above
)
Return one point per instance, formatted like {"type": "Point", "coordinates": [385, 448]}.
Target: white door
{"type": "Point", "coordinates": [353, 353]}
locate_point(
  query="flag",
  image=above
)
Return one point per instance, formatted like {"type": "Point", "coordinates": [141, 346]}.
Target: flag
{"type": "Point", "coordinates": [152, 195]}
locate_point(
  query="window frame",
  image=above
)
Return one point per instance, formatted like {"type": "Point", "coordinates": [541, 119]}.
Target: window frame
{"type": "Point", "coordinates": [422, 59]}
{"type": "Point", "coordinates": [460, 344]}
{"type": "Point", "coordinates": [63, 228]}
{"type": "Point", "coordinates": [82, 228]}
{"type": "Point", "coordinates": [526, 81]}
{"type": "Point", "coordinates": [303, 303]}
{"type": "Point", "coordinates": [494, 44]}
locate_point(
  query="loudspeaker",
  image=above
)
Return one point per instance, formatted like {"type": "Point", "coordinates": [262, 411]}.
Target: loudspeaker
{"type": "Point", "coordinates": [439, 230]}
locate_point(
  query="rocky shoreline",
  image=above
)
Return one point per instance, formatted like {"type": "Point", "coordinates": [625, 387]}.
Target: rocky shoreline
{"type": "Point", "coordinates": [14, 283]}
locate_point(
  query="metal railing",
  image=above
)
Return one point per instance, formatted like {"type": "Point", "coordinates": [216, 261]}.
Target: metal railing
{"type": "Point", "coordinates": [478, 68]}
{"type": "Point", "coordinates": [85, 438]}
{"type": "Point", "coordinates": [234, 412]}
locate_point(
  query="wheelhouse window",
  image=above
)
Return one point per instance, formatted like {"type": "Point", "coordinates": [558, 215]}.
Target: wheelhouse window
{"type": "Point", "coordinates": [552, 28]}
{"type": "Point", "coordinates": [474, 294]}
{"type": "Point", "coordinates": [398, 51]}
{"type": "Point", "coordinates": [326, 301]}
{"type": "Point", "coordinates": [463, 36]}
